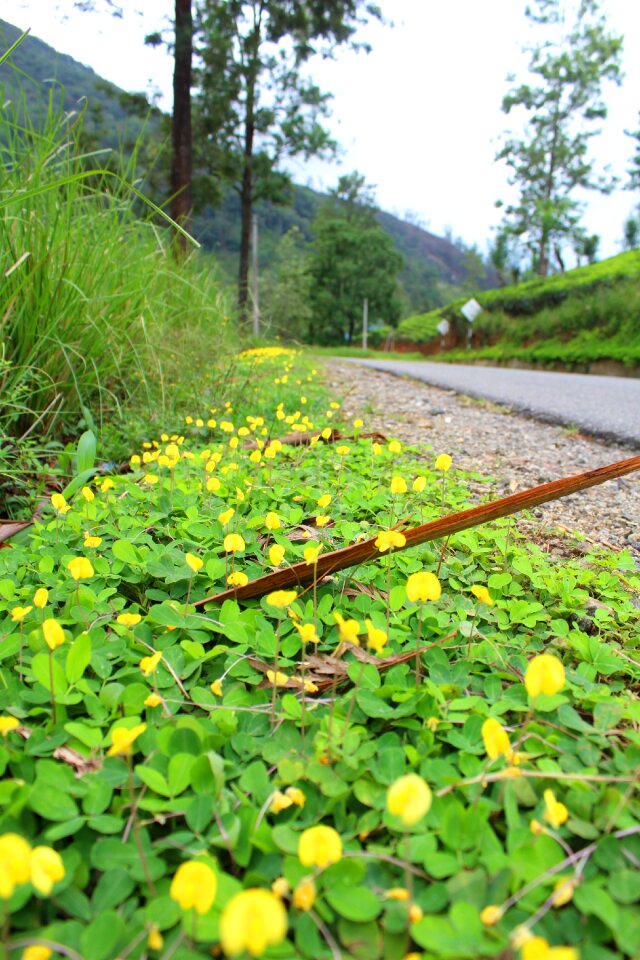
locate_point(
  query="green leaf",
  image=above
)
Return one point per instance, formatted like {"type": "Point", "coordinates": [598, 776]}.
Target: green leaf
{"type": "Point", "coordinates": [125, 551]}
{"type": "Point", "coordinates": [179, 772]}
{"type": "Point", "coordinates": [154, 780]}
{"type": "Point", "coordinates": [101, 939]}
{"type": "Point", "coordinates": [78, 657]}
{"type": "Point", "coordinates": [354, 903]}
{"type": "Point", "coordinates": [86, 452]}
{"type": "Point", "coordinates": [112, 888]}
{"type": "Point", "coordinates": [51, 803]}
{"type": "Point", "coordinates": [40, 667]}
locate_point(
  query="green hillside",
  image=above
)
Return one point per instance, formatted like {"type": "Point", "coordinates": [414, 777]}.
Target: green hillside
{"type": "Point", "coordinates": [113, 118]}
{"type": "Point", "coordinates": [587, 315]}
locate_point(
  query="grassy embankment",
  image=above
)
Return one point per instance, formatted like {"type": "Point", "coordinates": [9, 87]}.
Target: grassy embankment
{"type": "Point", "coordinates": [381, 765]}
{"type": "Point", "coordinates": [98, 325]}
{"type": "Point", "coordinates": [578, 318]}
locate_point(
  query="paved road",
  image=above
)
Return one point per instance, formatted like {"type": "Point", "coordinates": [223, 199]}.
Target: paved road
{"type": "Point", "coordinates": [600, 406]}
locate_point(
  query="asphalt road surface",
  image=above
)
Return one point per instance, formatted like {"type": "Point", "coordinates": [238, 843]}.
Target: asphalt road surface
{"type": "Point", "coordinates": [600, 406]}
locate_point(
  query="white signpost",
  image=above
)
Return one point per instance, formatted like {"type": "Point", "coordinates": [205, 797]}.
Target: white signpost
{"type": "Point", "coordinates": [470, 311]}
{"type": "Point", "coordinates": [443, 330]}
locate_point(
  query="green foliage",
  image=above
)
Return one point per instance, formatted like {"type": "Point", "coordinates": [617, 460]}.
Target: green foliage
{"type": "Point", "coordinates": [222, 743]}
{"type": "Point", "coordinates": [352, 259]}
{"type": "Point", "coordinates": [551, 160]}
{"type": "Point", "coordinates": [285, 293]}
{"type": "Point", "coordinates": [581, 316]}
{"type": "Point", "coordinates": [95, 314]}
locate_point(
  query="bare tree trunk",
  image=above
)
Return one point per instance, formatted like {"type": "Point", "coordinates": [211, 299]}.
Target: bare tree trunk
{"type": "Point", "coordinates": [246, 208]}
{"type": "Point", "coordinates": [181, 158]}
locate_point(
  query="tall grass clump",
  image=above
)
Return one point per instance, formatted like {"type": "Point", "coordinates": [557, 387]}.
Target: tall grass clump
{"type": "Point", "coordinates": [96, 316]}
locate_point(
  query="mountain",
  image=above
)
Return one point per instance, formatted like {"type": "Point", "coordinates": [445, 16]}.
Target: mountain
{"type": "Point", "coordinates": [435, 269]}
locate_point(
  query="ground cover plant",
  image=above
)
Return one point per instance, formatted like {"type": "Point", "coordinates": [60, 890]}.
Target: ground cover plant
{"type": "Point", "coordinates": [434, 755]}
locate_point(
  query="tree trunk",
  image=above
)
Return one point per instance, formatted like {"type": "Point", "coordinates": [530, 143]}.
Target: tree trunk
{"type": "Point", "coordinates": [181, 158]}
{"type": "Point", "coordinates": [246, 207]}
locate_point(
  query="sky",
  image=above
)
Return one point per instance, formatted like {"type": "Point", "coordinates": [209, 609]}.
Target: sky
{"type": "Point", "coordinates": [420, 116]}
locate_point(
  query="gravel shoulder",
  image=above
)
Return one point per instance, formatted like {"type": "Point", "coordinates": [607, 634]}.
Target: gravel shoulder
{"type": "Point", "coordinates": [516, 450]}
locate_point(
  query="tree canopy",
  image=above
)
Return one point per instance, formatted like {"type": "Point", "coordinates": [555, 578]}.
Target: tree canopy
{"type": "Point", "coordinates": [563, 103]}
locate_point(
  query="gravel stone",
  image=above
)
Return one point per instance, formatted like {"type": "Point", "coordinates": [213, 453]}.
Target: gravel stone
{"type": "Point", "coordinates": [514, 449]}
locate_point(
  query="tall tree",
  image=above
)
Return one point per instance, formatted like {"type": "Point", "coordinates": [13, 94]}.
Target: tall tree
{"type": "Point", "coordinates": [634, 171]}
{"type": "Point", "coordinates": [551, 160]}
{"type": "Point", "coordinates": [254, 105]}
{"type": "Point", "coordinates": [352, 259]}
{"type": "Point", "coordinates": [181, 136]}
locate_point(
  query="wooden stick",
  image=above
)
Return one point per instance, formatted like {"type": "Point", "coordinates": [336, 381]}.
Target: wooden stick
{"type": "Point", "coordinates": [301, 573]}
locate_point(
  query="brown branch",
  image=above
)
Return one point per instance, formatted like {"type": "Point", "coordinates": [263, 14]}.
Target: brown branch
{"type": "Point", "coordinates": [302, 573]}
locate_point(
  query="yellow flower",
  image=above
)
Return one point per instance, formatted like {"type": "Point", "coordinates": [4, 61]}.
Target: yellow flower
{"type": "Point", "coordinates": [416, 913]}
{"type": "Point", "coordinates": [80, 568]}
{"type": "Point", "coordinates": [311, 555]}
{"type": "Point", "coordinates": [536, 828]}
{"type": "Point", "coordinates": [272, 521]}
{"type": "Point", "coordinates": [88, 494]}
{"type": "Point", "coordinates": [563, 891]}
{"type": "Point", "coordinates": [296, 796]}
{"type": "Point", "coordinates": [46, 869]}
{"type": "Point", "coordinates": [59, 503]}
{"type": "Point", "coordinates": [322, 520]}
{"type": "Point", "coordinates": [443, 462]}
{"type": "Point", "coordinates": [15, 863]}
{"type": "Point", "coordinates": [213, 484]}
{"type": "Point", "coordinates": [40, 597]}
{"type": "Point", "coordinates": [496, 740]}
{"type": "Point", "coordinates": [491, 915]}
{"type": "Point", "coordinates": [555, 812]}
{"type": "Point", "coordinates": [281, 887]}
{"type": "Point", "coordinates": [7, 724]}
{"type": "Point", "coordinates": [90, 541]}
{"type": "Point", "coordinates": [279, 802]}
{"type": "Point", "coordinates": [324, 500]}
{"type": "Point", "coordinates": [233, 543]}
{"type": "Point", "coordinates": [276, 555]}
{"type": "Point", "coordinates": [128, 619]}
{"type": "Point", "coordinates": [194, 563]}
{"type": "Point", "coordinates": [377, 449]}
{"type": "Point", "coordinates": [149, 665]}
{"type": "Point", "coordinates": [53, 633]}
{"type": "Point", "coordinates": [482, 595]}
{"type": "Point", "coordinates": [237, 579]}
{"type": "Point", "coordinates": [226, 516]}
{"type": "Point", "coordinates": [358, 424]}
{"type": "Point", "coordinates": [281, 598]}
{"type": "Point", "coordinates": [107, 484]}
{"type": "Point", "coordinates": [433, 723]}
{"type": "Point", "coordinates": [19, 613]}
{"type": "Point", "coordinates": [423, 586]}
{"type": "Point", "coordinates": [409, 798]}
{"type": "Point", "coordinates": [304, 895]}
{"type": "Point", "coordinates": [155, 940]}
{"type": "Point", "coordinates": [319, 846]}
{"type": "Point", "coordinates": [278, 678]}
{"type": "Point", "coordinates": [342, 450]}
{"type": "Point", "coordinates": [537, 948]}
{"type": "Point", "coordinates": [376, 638]}
{"type": "Point", "coordinates": [216, 688]}
{"type": "Point", "coordinates": [194, 885]}
{"type": "Point", "coordinates": [252, 920]}
{"type": "Point", "coordinates": [387, 539]}
{"type": "Point", "coordinates": [349, 629]}
{"type": "Point", "coordinates": [419, 484]}
{"type": "Point", "coordinates": [307, 633]}
{"type": "Point", "coordinates": [545, 674]}
{"type": "Point", "coordinates": [398, 893]}
{"type": "Point", "coordinates": [122, 740]}
{"type": "Point", "coordinates": [394, 446]}
{"type": "Point", "coordinates": [398, 485]}
{"type": "Point", "coordinates": [150, 478]}
{"type": "Point", "coordinates": [226, 426]}
{"type": "Point", "coordinates": [36, 951]}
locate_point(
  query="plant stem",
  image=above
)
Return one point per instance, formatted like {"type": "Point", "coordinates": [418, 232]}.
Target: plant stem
{"type": "Point", "coordinates": [136, 830]}
{"type": "Point", "coordinates": [274, 690]}
{"type": "Point", "coordinates": [418, 638]}
{"type": "Point", "coordinates": [53, 698]}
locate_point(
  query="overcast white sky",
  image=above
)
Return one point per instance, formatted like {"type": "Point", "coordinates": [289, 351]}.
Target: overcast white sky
{"type": "Point", "coordinates": [419, 116]}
